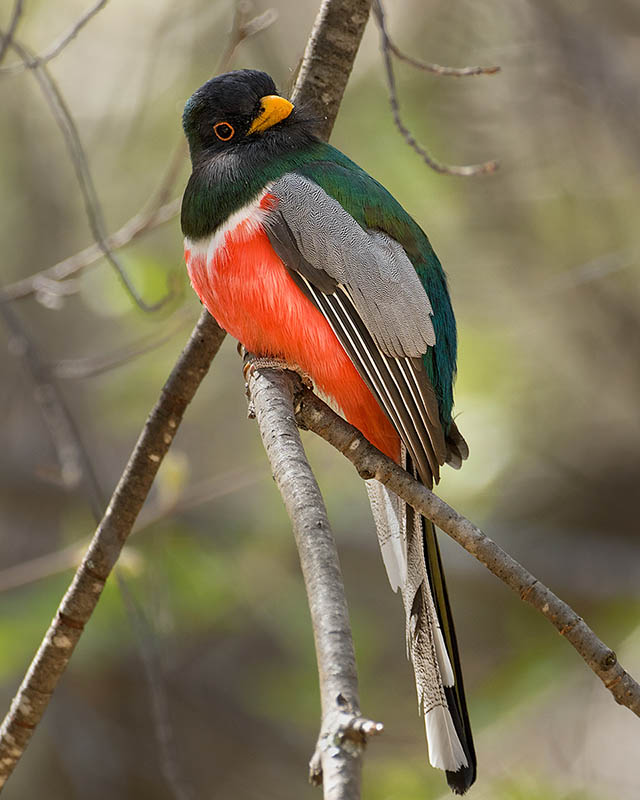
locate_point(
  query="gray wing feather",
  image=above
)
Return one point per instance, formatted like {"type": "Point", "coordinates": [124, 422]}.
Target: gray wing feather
{"type": "Point", "coordinates": [373, 267]}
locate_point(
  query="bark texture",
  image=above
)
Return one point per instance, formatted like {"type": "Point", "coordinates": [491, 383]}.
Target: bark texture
{"type": "Point", "coordinates": [337, 761]}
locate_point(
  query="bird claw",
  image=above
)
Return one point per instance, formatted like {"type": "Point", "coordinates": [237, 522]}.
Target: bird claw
{"type": "Point", "coordinates": [266, 362]}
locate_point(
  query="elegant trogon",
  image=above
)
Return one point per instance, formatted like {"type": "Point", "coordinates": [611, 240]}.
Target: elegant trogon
{"type": "Point", "coordinates": [304, 258]}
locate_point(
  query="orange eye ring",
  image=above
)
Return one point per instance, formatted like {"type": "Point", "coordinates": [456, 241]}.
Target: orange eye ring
{"type": "Point", "coordinates": [224, 131]}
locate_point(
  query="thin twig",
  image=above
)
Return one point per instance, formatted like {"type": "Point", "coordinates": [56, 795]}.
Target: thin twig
{"type": "Point", "coordinates": [67, 126]}
{"type": "Point", "coordinates": [40, 567]}
{"type": "Point", "coordinates": [48, 284]}
{"type": "Point", "coordinates": [7, 38]}
{"type": "Point", "coordinates": [50, 280]}
{"type": "Point", "coordinates": [337, 761]}
{"type": "Point", "coordinates": [80, 368]}
{"type": "Point", "coordinates": [244, 27]}
{"type": "Point", "coordinates": [81, 598]}
{"type": "Point", "coordinates": [58, 46]}
{"type": "Point", "coordinates": [150, 657]}
{"type": "Point", "coordinates": [313, 414]}
{"type": "Point", "coordinates": [73, 458]}
{"type": "Point", "coordinates": [388, 48]}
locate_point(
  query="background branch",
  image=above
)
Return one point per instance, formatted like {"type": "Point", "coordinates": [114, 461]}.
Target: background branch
{"type": "Point", "coordinates": [58, 46]}
{"type": "Point", "coordinates": [388, 47]}
{"type": "Point", "coordinates": [64, 119]}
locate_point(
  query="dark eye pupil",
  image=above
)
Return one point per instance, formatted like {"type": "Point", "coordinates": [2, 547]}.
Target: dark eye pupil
{"type": "Point", "coordinates": [224, 131]}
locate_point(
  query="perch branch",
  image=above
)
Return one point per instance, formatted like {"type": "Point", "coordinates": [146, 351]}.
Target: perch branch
{"type": "Point", "coordinates": [81, 598]}
{"type": "Point", "coordinates": [337, 760]}
{"type": "Point", "coordinates": [388, 48]}
{"type": "Point", "coordinates": [313, 414]}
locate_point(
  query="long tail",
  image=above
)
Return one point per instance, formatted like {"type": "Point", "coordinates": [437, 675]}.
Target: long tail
{"type": "Point", "coordinates": [412, 558]}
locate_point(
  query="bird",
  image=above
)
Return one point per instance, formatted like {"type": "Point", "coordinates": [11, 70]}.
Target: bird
{"type": "Point", "coordinates": [312, 264]}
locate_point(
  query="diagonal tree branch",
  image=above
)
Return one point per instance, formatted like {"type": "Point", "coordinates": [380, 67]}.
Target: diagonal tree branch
{"type": "Point", "coordinates": [347, 19]}
{"type": "Point", "coordinates": [66, 123]}
{"type": "Point", "coordinates": [313, 414]}
{"type": "Point", "coordinates": [83, 594]}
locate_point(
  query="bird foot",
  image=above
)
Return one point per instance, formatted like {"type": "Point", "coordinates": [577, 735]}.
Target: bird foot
{"type": "Point", "coordinates": [265, 362]}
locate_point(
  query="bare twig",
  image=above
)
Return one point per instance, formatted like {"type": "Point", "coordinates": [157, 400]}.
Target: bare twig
{"type": "Point", "coordinates": [337, 761]}
{"type": "Point", "coordinates": [77, 368]}
{"type": "Point", "coordinates": [46, 284]}
{"type": "Point", "coordinates": [387, 49]}
{"type": "Point", "coordinates": [35, 569]}
{"type": "Point", "coordinates": [67, 126]}
{"type": "Point", "coordinates": [244, 27]}
{"type": "Point", "coordinates": [313, 414]}
{"type": "Point", "coordinates": [74, 461]}
{"type": "Point", "coordinates": [150, 657]}
{"type": "Point", "coordinates": [6, 38]}
{"type": "Point", "coordinates": [82, 596]}
{"type": "Point", "coordinates": [50, 280]}
{"type": "Point", "coordinates": [58, 46]}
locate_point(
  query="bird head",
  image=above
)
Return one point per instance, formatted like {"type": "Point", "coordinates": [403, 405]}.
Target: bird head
{"type": "Point", "coordinates": [235, 111]}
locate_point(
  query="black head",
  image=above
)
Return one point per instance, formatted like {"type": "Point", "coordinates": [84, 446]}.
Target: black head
{"type": "Point", "coordinates": [231, 111]}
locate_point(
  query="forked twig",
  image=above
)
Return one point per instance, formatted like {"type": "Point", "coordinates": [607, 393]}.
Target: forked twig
{"type": "Point", "coordinates": [388, 47]}
{"type": "Point", "coordinates": [58, 46]}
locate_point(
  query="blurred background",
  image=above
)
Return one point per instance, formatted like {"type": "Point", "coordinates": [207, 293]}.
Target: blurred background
{"type": "Point", "coordinates": [196, 676]}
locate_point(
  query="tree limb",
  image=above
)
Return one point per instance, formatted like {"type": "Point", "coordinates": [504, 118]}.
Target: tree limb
{"type": "Point", "coordinates": [347, 19]}
{"type": "Point", "coordinates": [313, 414]}
{"type": "Point", "coordinates": [81, 598]}
{"type": "Point", "coordinates": [337, 761]}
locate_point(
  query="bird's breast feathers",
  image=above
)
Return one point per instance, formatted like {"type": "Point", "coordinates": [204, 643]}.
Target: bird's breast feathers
{"type": "Point", "coordinates": [248, 290]}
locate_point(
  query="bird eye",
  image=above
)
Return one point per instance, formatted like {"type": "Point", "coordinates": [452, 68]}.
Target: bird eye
{"type": "Point", "coordinates": [224, 131]}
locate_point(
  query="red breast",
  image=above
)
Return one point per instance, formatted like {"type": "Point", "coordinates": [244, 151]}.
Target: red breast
{"type": "Point", "coordinates": [247, 289]}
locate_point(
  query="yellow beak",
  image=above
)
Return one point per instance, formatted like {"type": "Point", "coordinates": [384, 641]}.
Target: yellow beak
{"type": "Point", "coordinates": [274, 109]}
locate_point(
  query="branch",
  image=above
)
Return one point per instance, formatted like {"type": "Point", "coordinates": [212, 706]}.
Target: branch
{"type": "Point", "coordinates": [244, 27]}
{"type": "Point", "coordinates": [6, 39]}
{"type": "Point", "coordinates": [81, 598]}
{"type": "Point", "coordinates": [57, 47]}
{"type": "Point", "coordinates": [388, 47]}
{"type": "Point", "coordinates": [64, 119]}
{"type": "Point", "coordinates": [313, 414]}
{"type": "Point", "coordinates": [49, 281]}
{"type": "Point", "coordinates": [328, 59]}
{"type": "Point", "coordinates": [348, 18]}
{"type": "Point", "coordinates": [73, 458]}
{"type": "Point", "coordinates": [46, 284]}
{"type": "Point", "coordinates": [337, 761]}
